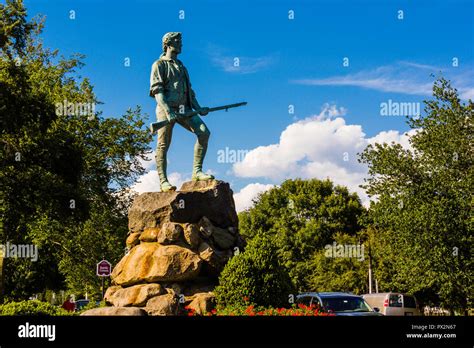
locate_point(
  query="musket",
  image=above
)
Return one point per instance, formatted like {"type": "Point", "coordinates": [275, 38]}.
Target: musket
{"type": "Point", "coordinates": [157, 125]}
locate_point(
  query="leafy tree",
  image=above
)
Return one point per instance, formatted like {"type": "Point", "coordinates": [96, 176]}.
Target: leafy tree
{"type": "Point", "coordinates": [347, 273]}
{"type": "Point", "coordinates": [424, 207]}
{"type": "Point", "coordinates": [302, 216]}
{"type": "Point", "coordinates": [255, 274]}
{"type": "Point", "coordinates": [61, 168]}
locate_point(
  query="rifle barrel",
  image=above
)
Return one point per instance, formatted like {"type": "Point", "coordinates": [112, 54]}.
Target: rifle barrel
{"type": "Point", "coordinates": [225, 107]}
{"type": "Point", "coordinates": [157, 125]}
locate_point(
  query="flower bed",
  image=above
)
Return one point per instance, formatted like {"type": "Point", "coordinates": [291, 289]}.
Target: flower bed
{"type": "Point", "coordinates": [298, 310]}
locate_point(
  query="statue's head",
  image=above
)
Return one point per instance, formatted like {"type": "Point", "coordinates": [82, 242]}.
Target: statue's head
{"type": "Point", "coordinates": [172, 41]}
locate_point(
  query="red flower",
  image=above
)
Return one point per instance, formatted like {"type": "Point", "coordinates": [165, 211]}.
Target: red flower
{"type": "Point", "coordinates": [302, 306]}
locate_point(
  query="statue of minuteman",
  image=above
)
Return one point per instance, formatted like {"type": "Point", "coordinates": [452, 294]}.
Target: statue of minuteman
{"type": "Point", "coordinates": [171, 88]}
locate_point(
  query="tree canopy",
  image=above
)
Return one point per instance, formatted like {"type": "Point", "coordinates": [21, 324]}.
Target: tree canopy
{"type": "Point", "coordinates": [62, 168]}
{"type": "Point", "coordinates": [423, 212]}
{"type": "Point", "coordinates": [302, 216]}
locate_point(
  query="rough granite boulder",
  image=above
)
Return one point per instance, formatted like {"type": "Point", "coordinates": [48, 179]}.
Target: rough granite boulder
{"type": "Point", "coordinates": [150, 235]}
{"type": "Point", "coordinates": [170, 232]}
{"type": "Point", "coordinates": [153, 262]}
{"type": "Point", "coordinates": [163, 305]}
{"type": "Point", "coordinates": [191, 235]}
{"type": "Point", "coordinates": [203, 303]}
{"type": "Point", "coordinates": [134, 296]}
{"type": "Point", "coordinates": [223, 238]}
{"type": "Point", "coordinates": [198, 287]}
{"type": "Point", "coordinates": [212, 198]}
{"type": "Point", "coordinates": [133, 239]}
{"type": "Point", "coordinates": [121, 311]}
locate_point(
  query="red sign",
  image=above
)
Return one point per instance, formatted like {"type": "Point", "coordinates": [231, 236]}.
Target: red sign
{"type": "Point", "coordinates": [104, 268]}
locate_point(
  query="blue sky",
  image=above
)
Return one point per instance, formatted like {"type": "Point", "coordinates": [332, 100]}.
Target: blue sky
{"type": "Point", "coordinates": [283, 62]}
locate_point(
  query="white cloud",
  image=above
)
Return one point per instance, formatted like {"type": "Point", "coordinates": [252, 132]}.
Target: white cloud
{"type": "Point", "coordinates": [394, 136]}
{"type": "Point", "coordinates": [244, 198]}
{"type": "Point", "coordinates": [467, 93]}
{"type": "Point", "coordinates": [420, 66]}
{"type": "Point", "coordinates": [316, 147]}
{"type": "Point", "coordinates": [402, 77]}
{"type": "Point", "coordinates": [177, 179]}
{"type": "Point", "coordinates": [246, 65]}
{"type": "Point", "coordinates": [150, 163]}
{"type": "Point", "coordinates": [385, 78]}
{"type": "Point", "coordinates": [150, 182]}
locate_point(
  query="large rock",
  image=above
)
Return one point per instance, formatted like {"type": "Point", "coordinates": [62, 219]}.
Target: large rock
{"type": "Point", "coordinates": [153, 262]}
{"type": "Point", "coordinates": [206, 252]}
{"type": "Point", "coordinates": [223, 238]}
{"type": "Point", "coordinates": [150, 209]}
{"type": "Point", "coordinates": [150, 234]}
{"type": "Point", "coordinates": [194, 200]}
{"type": "Point", "coordinates": [163, 305]}
{"type": "Point", "coordinates": [122, 311]}
{"type": "Point", "coordinates": [198, 287]}
{"type": "Point", "coordinates": [215, 260]}
{"type": "Point", "coordinates": [170, 232]}
{"type": "Point", "coordinates": [134, 296]}
{"type": "Point", "coordinates": [133, 239]}
{"type": "Point", "coordinates": [191, 235]}
{"type": "Point", "coordinates": [203, 303]}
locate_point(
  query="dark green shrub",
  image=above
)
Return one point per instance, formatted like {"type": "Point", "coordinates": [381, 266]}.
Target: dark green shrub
{"type": "Point", "coordinates": [32, 307]}
{"type": "Point", "coordinates": [255, 276]}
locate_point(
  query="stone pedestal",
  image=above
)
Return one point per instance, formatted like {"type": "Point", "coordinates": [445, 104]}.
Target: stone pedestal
{"type": "Point", "coordinates": [178, 244]}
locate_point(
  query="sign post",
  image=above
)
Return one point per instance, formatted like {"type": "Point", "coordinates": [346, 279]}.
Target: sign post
{"type": "Point", "coordinates": [104, 268]}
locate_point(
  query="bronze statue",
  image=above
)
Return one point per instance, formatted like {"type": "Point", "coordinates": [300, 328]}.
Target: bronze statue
{"type": "Point", "coordinates": [170, 86]}
{"type": "Point", "coordinates": [176, 100]}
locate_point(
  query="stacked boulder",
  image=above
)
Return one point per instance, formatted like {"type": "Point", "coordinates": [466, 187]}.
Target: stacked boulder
{"type": "Point", "coordinates": [178, 243]}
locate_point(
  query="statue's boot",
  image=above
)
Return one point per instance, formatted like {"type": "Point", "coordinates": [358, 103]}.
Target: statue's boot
{"type": "Point", "coordinates": [166, 186]}
{"type": "Point", "coordinates": [200, 149]}
{"type": "Point", "coordinates": [161, 169]}
{"type": "Point", "coordinates": [201, 176]}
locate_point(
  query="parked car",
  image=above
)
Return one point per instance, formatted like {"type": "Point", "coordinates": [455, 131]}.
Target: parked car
{"type": "Point", "coordinates": [80, 304]}
{"type": "Point", "coordinates": [339, 303]}
{"type": "Point", "coordinates": [393, 303]}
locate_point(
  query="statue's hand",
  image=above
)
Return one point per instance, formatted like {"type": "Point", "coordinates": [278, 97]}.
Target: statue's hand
{"type": "Point", "coordinates": [203, 111]}
{"type": "Point", "coordinates": [172, 116]}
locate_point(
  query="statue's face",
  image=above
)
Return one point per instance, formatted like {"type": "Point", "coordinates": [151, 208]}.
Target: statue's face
{"type": "Point", "coordinates": [175, 45]}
